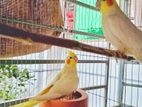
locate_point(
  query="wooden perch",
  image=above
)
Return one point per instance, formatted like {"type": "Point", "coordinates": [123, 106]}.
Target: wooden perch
{"type": "Point", "coordinates": [46, 39]}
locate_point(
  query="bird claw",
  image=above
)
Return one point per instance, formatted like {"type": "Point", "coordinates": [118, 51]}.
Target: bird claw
{"type": "Point", "coordinates": [118, 53]}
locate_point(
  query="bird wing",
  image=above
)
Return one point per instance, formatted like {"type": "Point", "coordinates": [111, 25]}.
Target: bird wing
{"type": "Point", "coordinates": [45, 90]}
{"type": "Point", "coordinates": [51, 84]}
{"type": "Point", "coordinates": [29, 103]}
{"type": "Point", "coordinates": [66, 84]}
{"type": "Point", "coordinates": [33, 102]}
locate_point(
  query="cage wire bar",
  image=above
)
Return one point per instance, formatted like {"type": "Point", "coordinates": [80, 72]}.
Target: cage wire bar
{"type": "Point", "coordinates": [135, 87]}
{"type": "Point", "coordinates": [109, 83]}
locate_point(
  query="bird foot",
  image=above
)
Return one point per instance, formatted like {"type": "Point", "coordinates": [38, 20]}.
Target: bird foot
{"type": "Point", "coordinates": [69, 96]}
{"type": "Point", "coordinates": [118, 53]}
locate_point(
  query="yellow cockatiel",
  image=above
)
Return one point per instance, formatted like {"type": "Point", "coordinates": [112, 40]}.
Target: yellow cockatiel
{"type": "Point", "coordinates": [64, 83]}
{"type": "Point", "coordinates": [119, 30]}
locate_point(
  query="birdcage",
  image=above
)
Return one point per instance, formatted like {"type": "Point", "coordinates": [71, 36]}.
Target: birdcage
{"type": "Point", "coordinates": [36, 36]}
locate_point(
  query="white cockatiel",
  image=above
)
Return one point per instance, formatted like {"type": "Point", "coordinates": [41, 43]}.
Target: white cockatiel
{"type": "Point", "coordinates": [119, 30]}
{"type": "Point", "coordinates": [64, 83]}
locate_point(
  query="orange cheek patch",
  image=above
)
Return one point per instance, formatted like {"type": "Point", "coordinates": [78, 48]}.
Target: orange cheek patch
{"type": "Point", "coordinates": [109, 2]}
{"type": "Point", "coordinates": [68, 61]}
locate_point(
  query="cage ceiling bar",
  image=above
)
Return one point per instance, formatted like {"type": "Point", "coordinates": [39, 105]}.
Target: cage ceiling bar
{"type": "Point", "coordinates": [55, 28]}
{"type": "Point", "coordinates": [132, 85]}
{"type": "Point", "coordinates": [12, 102]}
{"type": "Point", "coordinates": [46, 61]}
{"type": "Point", "coordinates": [94, 87]}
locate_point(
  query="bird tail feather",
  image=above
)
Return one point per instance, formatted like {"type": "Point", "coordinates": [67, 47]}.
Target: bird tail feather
{"type": "Point", "coordinates": [29, 103]}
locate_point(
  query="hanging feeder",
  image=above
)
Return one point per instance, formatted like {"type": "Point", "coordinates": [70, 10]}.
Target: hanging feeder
{"type": "Point", "coordinates": [33, 11]}
{"type": "Point", "coordinates": [80, 99]}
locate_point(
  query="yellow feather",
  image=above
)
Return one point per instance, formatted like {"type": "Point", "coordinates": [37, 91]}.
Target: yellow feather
{"type": "Point", "coordinates": [105, 8]}
{"type": "Point", "coordinates": [71, 53]}
{"type": "Point", "coordinates": [29, 103]}
{"type": "Point", "coordinates": [45, 90]}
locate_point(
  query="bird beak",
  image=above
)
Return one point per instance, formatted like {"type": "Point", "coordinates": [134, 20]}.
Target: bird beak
{"type": "Point", "coordinates": [76, 59]}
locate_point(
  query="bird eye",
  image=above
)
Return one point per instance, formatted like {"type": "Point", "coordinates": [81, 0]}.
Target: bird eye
{"type": "Point", "coordinates": [70, 57]}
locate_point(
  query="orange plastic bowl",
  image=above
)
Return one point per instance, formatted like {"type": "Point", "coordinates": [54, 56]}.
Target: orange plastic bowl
{"type": "Point", "coordinates": [80, 101]}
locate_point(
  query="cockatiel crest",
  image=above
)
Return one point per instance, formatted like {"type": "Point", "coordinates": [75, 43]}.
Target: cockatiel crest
{"type": "Point", "coordinates": [71, 59]}
{"type": "Point", "coordinates": [105, 5]}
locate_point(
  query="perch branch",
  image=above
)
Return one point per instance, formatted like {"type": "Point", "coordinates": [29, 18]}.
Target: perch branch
{"type": "Point", "coordinates": [8, 31]}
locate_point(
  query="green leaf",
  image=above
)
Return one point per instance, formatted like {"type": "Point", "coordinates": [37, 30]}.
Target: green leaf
{"type": "Point", "coordinates": [9, 74]}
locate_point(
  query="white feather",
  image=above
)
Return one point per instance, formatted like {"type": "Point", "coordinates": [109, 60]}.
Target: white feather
{"type": "Point", "coordinates": [122, 33]}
